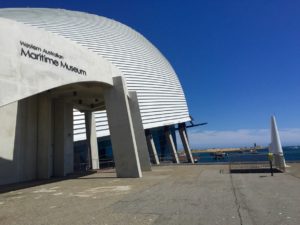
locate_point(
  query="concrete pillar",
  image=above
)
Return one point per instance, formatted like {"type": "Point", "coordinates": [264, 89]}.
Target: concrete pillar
{"type": "Point", "coordinates": [121, 130]}
{"type": "Point", "coordinates": [91, 137]}
{"type": "Point", "coordinates": [185, 142]}
{"type": "Point", "coordinates": [276, 146]}
{"type": "Point", "coordinates": [152, 148]}
{"type": "Point", "coordinates": [45, 139]}
{"type": "Point", "coordinates": [171, 145]}
{"type": "Point", "coordinates": [63, 138]}
{"type": "Point", "coordinates": [139, 132]}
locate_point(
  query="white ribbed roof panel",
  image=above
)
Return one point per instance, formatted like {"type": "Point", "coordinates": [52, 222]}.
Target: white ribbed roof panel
{"type": "Point", "coordinates": [146, 70]}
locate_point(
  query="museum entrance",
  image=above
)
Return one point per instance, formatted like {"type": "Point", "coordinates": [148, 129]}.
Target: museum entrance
{"type": "Point", "coordinates": [55, 151]}
{"type": "Point", "coordinates": [38, 131]}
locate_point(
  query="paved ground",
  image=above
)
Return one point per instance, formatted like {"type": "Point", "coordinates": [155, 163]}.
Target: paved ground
{"type": "Point", "coordinates": [167, 195]}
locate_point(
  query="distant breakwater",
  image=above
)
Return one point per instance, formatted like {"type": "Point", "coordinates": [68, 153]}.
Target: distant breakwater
{"type": "Point", "coordinates": [291, 153]}
{"type": "Point", "coordinates": [228, 149]}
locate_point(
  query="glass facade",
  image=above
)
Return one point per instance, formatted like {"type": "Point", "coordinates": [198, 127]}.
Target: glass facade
{"type": "Point", "coordinates": [161, 144]}
{"type": "Point", "coordinates": [106, 154]}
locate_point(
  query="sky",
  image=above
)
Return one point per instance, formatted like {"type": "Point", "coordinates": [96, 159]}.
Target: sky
{"type": "Point", "coordinates": [238, 61]}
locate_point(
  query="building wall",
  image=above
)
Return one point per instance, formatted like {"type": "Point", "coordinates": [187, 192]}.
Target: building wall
{"type": "Point", "coordinates": [107, 48]}
{"type": "Point", "coordinates": [18, 147]}
{"type": "Point", "coordinates": [28, 66]}
{"type": "Point", "coordinates": [26, 153]}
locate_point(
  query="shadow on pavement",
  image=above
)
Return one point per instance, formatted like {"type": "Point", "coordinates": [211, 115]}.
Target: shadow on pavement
{"type": "Point", "coordinates": [34, 183]}
{"type": "Point", "coordinates": [262, 170]}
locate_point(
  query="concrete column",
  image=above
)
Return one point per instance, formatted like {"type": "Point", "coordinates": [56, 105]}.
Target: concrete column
{"type": "Point", "coordinates": [171, 145]}
{"type": "Point", "coordinates": [63, 138]}
{"type": "Point", "coordinates": [45, 139]}
{"type": "Point", "coordinates": [279, 162]}
{"type": "Point", "coordinates": [185, 142]}
{"type": "Point", "coordinates": [121, 130]}
{"type": "Point", "coordinates": [139, 132]}
{"type": "Point", "coordinates": [91, 137]}
{"type": "Point", "coordinates": [151, 147]}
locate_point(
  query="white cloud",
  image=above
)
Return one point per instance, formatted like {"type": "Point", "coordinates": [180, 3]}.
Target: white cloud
{"type": "Point", "coordinates": [239, 138]}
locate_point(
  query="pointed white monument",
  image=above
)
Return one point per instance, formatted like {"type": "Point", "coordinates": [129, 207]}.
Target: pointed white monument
{"type": "Point", "coordinates": [275, 146]}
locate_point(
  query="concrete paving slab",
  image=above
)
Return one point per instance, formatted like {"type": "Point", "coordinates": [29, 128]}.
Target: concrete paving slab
{"type": "Point", "coordinates": [185, 194]}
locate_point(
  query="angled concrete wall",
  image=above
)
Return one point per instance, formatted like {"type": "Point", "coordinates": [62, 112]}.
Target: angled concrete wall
{"type": "Point", "coordinates": [18, 146]}
{"type": "Point", "coordinates": [29, 145]}
{"type": "Point", "coordinates": [121, 129]}
{"type": "Point", "coordinates": [139, 132]}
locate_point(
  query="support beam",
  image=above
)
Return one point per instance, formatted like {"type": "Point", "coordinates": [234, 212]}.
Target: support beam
{"type": "Point", "coordinates": [140, 138]}
{"type": "Point", "coordinates": [151, 147]}
{"type": "Point", "coordinates": [45, 139]}
{"type": "Point", "coordinates": [63, 138]}
{"type": "Point", "coordinates": [121, 130]}
{"type": "Point", "coordinates": [91, 137]}
{"type": "Point", "coordinates": [185, 142]}
{"type": "Point", "coordinates": [171, 145]}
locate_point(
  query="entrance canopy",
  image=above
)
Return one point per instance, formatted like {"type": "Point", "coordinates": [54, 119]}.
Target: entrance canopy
{"type": "Point", "coordinates": [84, 96]}
{"type": "Point", "coordinates": [33, 61]}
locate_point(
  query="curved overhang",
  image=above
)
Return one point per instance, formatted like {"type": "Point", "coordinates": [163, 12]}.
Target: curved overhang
{"type": "Point", "coordinates": [108, 46]}
{"type": "Point", "coordinates": [33, 60]}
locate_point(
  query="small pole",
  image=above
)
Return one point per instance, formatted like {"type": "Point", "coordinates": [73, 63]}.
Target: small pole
{"type": "Point", "coordinates": [271, 167]}
{"type": "Point", "coordinates": [270, 156]}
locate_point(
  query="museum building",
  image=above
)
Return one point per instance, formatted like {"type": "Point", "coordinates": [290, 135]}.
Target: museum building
{"type": "Point", "coordinates": [78, 89]}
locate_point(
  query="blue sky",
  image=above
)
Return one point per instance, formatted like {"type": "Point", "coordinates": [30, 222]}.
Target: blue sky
{"type": "Point", "coordinates": [238, 61]}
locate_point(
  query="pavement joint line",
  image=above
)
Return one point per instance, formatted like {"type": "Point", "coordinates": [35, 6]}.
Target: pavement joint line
{"type": "Point", "coordinates": [292, 175]}
{"type": "Point", "coordinates": [236, 200]}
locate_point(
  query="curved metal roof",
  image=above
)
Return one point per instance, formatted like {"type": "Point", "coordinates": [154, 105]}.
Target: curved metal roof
{"type": "Point", "coordinates": [146, 70]}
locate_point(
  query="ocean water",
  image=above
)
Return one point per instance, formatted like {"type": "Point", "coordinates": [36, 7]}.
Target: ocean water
{"type": "Point", "coordinates": [291, 154]}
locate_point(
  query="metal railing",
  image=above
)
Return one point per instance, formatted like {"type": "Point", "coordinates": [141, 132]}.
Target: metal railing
{"type": "Point", "coordinates": [107, 163]}
{"type": "Point", "coordinates": [248, 161]}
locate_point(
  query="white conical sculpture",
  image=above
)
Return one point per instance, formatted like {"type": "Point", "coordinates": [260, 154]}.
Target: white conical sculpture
{"type": "Point", "coordinates": [275, 146]}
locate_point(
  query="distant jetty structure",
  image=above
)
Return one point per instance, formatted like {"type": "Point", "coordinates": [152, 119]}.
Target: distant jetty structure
{"type": "Point", "coordinates": [275, 146]}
